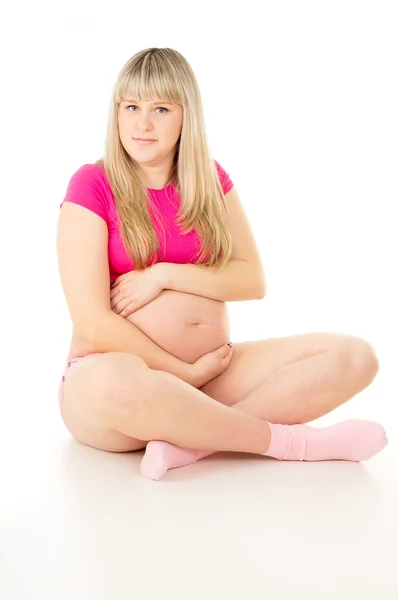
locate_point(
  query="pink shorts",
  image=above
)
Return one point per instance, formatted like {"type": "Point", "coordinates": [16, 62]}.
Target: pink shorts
{"type": "Point", "coordinates": [68, 364]}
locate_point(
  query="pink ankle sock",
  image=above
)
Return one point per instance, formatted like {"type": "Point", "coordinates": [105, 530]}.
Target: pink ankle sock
{"type": "Point", "coordinates": [160, 456]}
{"type": "Point", "coordinates": [353, 440]}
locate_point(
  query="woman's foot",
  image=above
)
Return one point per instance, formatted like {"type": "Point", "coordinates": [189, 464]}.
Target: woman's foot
{"type": "Point", "coordinates": [353, 440]}
{"type": "Point", "coordinates": [160, 456]}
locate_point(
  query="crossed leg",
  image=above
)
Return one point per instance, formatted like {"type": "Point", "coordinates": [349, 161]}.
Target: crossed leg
{"type": "Point", "coordinates": [295, 379]}
{"type": "Point", "coordinates": [288, 380]}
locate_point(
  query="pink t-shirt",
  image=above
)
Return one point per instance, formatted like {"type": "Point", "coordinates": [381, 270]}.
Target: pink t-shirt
{"type": "Point", "coordinates": [89, 187]}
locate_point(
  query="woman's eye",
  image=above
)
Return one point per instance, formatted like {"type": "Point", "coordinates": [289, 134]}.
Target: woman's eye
{"type": "Point", "coordinates": [134, 105]}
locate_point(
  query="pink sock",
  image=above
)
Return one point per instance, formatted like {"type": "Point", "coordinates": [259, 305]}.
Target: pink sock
{"type": "Point", "coordinates": [159, 457]}
{"type": "Point", "coordinates": [353, 440]}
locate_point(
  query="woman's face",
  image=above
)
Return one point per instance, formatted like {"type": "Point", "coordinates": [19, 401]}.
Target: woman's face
{"type": "Point", "coordinates": [156, 120]}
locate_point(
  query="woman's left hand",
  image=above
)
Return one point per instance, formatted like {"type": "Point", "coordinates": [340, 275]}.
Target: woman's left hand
{"type": "Point", "coordinates": [134, 289]}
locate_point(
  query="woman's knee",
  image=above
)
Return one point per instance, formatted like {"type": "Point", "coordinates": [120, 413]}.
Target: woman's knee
{"type": "Point", "coordinates": [123, 380]}
{"type": "Point", "coordinates": [111, 383]}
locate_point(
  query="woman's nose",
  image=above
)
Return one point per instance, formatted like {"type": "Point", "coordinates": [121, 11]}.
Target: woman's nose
{"type": "Point", "coordinates": [144, 121]}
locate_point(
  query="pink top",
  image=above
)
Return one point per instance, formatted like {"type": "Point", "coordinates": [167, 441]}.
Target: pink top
{"type": "Point", "coordinates": [89, 187]}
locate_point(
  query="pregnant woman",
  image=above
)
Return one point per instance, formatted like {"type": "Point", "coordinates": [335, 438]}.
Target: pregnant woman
{"type": "Point", "coordinates": [152, 242]}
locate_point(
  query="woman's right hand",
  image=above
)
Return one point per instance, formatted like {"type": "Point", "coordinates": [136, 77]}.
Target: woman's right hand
{"type": "Point", "coordinates": [209, 366]}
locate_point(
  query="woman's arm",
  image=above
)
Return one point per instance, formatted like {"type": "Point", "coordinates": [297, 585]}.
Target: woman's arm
{"type": "Point", "coordinates": [238, 280]}
{"type": "Point", "coordinates": [241, 279]}
{"type": "Point", "coordinates": [113, 333]}
{"type": "Point", "coordinates": [82, 246]}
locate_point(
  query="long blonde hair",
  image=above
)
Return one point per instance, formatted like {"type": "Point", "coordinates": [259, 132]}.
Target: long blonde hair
{"type": "Point", "coordinates": [164, 73]}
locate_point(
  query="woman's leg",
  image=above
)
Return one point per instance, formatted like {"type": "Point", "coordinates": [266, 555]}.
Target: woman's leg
{"type": "Point", "coordinates": [288, 380]}
{"type": "Point", "coordinates": [67, 366]}
{"type": "Point", "coordinates": [117, 393]}
{"type": "Point", "coordinates": [295, 379]}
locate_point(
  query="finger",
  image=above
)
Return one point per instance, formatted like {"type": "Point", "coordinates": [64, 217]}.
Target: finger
{"type": "Point", "coordinates": [116, 298]}
{"type": "Point", "coordinates": [223, 352]}
{"type": "Point", "coordinates": [120, 306]}
{"type": "Point", "coordinates": [115, 310]}
{"type": "Point", "coordinates": [227, 358]}
{"type": "Point", "coordinates": [228, 352]}
{"type": "Point", "coordinates": [225, 348]}
{"type": "Point", "coordinates": [130, 308]}
{"type": "Point", "coordinates": [113, 304]}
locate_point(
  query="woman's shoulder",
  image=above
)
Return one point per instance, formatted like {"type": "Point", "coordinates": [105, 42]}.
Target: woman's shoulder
{"type": "Point", "coordinates": [89, 171]}
{"type": "Point", "coordinates": [89, 187]}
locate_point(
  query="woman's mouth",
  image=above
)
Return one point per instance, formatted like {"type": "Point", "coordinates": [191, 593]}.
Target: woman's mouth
{"type": "Point", "coordinates": [144, 142]}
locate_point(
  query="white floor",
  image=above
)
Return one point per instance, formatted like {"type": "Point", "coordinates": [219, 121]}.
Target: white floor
{"type": "Point", "coordinates": [78, 523]}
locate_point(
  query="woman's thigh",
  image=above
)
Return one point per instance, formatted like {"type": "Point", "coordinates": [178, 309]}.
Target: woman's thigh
{"type": "Point", "coordinates": [94, 387]}
{"type": "Point", "coordinates": [254, 362]}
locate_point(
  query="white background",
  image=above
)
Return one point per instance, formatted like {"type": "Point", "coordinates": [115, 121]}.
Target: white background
{"type": "Point", "coordinates": [300, 100]}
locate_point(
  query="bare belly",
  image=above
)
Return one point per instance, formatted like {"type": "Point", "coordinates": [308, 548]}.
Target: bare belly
{"type": "Point", "coordinates": [184, 325]}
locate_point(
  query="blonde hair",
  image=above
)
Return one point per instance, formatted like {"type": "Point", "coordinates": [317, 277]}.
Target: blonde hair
{"type": "Point", "coordinates": [164, 73]}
